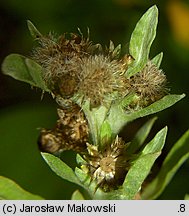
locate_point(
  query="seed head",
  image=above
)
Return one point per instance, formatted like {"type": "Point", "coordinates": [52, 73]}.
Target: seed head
{"type": "Point", "coordinates": [149, 84]}
{"type": "Point", "coordinates": [108, 166]}
{"type": "Point", "coordinates": [100, 77]}
{"type": "Point", "coordinates": [74, 66]}
{"type": "Point", "coordinates": [60, 58]}
{"type": "Point", "coordinates": [70, 132]}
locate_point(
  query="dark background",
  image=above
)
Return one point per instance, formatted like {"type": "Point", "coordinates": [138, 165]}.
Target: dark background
{"type": "Point", "coordinates": [23, 112]}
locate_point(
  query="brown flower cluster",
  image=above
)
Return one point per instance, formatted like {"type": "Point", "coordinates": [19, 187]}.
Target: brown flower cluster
{"type": "Point", "coordinates": [74, 66]}
{"type": "Point", "coordinates": [70, 132]}
{"type": "Point", "coordinates": [149, 84]}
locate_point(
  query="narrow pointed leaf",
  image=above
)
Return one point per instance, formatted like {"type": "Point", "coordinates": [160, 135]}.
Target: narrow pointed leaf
{"type": "Point", "coordinates": [124, 103]}
{"type": "Point", "coordinates": [60, 168]}
{"type": "Point", "coordinates": [95, 117]}
{"type": "Point", "coordinates": [141, 40]}
{"type": "Point", "coordinates": [142, 165]}
{"type": "Point", "coordinates": [36, 72]}
{"type": "Point", "coordinates": [157, 106]}
{"type": "Point", "coordinates": [82, 176]}
{"type": "Point", "coordinates": [117, 114]}
{"type": "Point", "coordinates": [157, 143]}
{"type": "Point", "coordinates": [140, 136]}
{"type": "Point", "coordinates": [157, 59]}
{"type": "Point", "coordinates": [186, 197]}
{"type": "Point", "coordinates": [9, 190]}
{"type": "Point", "coordinates": [118, 117]}
{"type": "Point", "coordinates": [116, 51]}
{"type": "Point", "coordinates": [105, 133]}
{"type": "Point", "coordinates": [33, 30]}
{"type": "Point", "coordinates": [80, 160]}
{"type": "Point", "coordinates": [137, 174]}
{"type": "Point", "coordinates": [175, 158]}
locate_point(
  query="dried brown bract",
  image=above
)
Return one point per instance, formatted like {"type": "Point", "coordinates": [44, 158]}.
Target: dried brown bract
{"type": "Point", "coordinates": [70, 132]}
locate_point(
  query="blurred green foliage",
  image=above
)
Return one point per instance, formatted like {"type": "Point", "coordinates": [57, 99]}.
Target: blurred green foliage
{"type": "Point", "coordinates": [22, 111]}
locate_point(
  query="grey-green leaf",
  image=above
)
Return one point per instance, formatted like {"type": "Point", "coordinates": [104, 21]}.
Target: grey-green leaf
{"type": "Point", "coordinates": [141, 40]}
{"type": "Point", "coordinates": [9, 190]}
{"type": "Point", "coordinates": [137, 174]}
{"type": "Point", "coordinates": [33, 30]}
{"type": "Point", "coordinates": [24, 69]}
{"type": "Point", "coordinates": [118, 118]}
{"type": "Point", "coordinates": [140, 136]}
{"type": "Point", "coordinates": [157, 59]}
{"type": "Point", "coordinates": [77, 195]}
{"type": "Point", "coordinates": [36, 73]}
{"type": "Point", "coordinates": [157, 143]}
{"type": "Point", "coordinates": [80, 160]}
{"type": "Point", "coordinates": [157, 106]}
{"type": "Point", "coordinates": [15, 66]}
{"type": "Point", "coordinates": [60, 168]}
{"type": "Point", "coordinates": [95, 117]}
{"type": "Point", "coordinates": [105, 133]}
{"type": "Point", "coordinates": [142, 165]}
{"type": "Point", "coordinates": [175, 158]}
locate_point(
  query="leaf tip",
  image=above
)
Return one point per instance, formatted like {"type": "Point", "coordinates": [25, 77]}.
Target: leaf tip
{"type": "Point", "coordinates": [154, 8]}
{"type": "Point", "coordinates": [45, 156]}
{"type": "Point", "coordinates": [183, 95]}
{"type": "Point", "coordinates": [164, 131]}
{"type": "Point", "coordinates": [33, 30]}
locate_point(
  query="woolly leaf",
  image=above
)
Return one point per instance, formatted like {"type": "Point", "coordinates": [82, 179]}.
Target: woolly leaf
{"type": "Point", "coordinates": [95, 117]}
{"type": "Point", "coordinates": [60, 168]}
{"type": "Point", "coordinates": [164, 103]}
{"type": "Point", "coordinates": [36, 73]}
{"type": "Point", "coordinates": [142, 165]}
{"type": "Point", "coordinates": [141, 40]}
{"type": "Point", "coordinates": [80, 159]}
{"type": "Point", "coordinates": [9, 190]}
{"type": "Point", "coordinates": [140, 136]}
{"type": "Point", "coordinates": [24, 69]}
{"type": "Point", "coordinates": [117, 117]}
{"type": "Point", "coordinates": [105, 133]}
{"type": "Point", "coordinates": [157, 59]}
{"type": "Point", "coordinates": [33, 30]}
{"type": "Point", "coordinates": [15, 66]}
{"type": "Point", "coordinates": [175, 158]}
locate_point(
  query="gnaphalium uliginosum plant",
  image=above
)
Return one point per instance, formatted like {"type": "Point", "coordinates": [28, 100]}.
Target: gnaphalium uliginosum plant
{"type": "Point", "coordinates": [98, 91]}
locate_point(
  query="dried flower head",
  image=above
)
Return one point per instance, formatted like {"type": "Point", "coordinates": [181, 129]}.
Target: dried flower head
{"type": "Point", "coordinates": [100, 77]}
{"type": "Point", "coordinates": [107, 166]}
{"type": "Point", "coordinates": [60, 58]}
{"type": "Point", "coordinates": [149, 84]}
{"type": "Point", "coordinates": [72, 64]}
{"type": "Point", "coordinates": [70, 132]}
{"type": "Point", "coordinates": [50, 141]}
